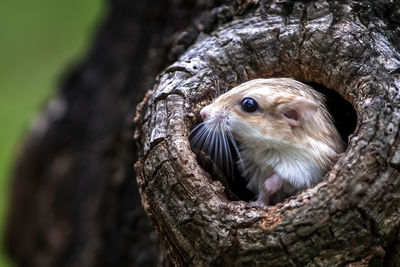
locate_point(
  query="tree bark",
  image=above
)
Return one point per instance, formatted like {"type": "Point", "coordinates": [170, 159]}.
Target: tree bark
{"type": "Point", "coordinates": [352, 217]}
{"type": "Point", "coordinates": [74, 199]}
{"type": "Point", "coordinates": [74, 183]}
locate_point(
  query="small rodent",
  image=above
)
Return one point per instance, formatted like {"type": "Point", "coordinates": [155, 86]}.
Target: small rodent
{"type": "Point", "coordinates": [281, 131]}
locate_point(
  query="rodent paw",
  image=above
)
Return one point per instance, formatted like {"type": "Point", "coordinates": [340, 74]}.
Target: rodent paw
{"type": "Point", "coordinates": [262, 201]}
{"type": "Point", "coordinates": [258, 203]}
{"type": "Point", "coordinates": [272, 184]}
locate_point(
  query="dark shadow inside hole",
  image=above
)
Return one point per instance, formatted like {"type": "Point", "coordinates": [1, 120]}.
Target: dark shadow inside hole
{"type": "Point", "coordinates": [228, 175]}
{"type": "Point", "coordinates": [343, 113]}
{"type": "Point", "coordinates": [345, 119]}
{"type": "Point", "coordinates": [234, 183]}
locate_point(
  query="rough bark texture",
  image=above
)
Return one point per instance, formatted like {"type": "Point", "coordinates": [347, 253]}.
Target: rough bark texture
{"type": "Point", "coordinates": [352, 217]}
{"type": "Point", "coordinates": [75, 199]}
{"type": "Point", "coordinates": [74, 194]}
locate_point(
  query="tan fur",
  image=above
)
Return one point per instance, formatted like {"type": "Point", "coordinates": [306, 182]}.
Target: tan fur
{"type": "Point", "coordinates": [266, 133]}
{"type": "Point", "coordinates": [272, 93]}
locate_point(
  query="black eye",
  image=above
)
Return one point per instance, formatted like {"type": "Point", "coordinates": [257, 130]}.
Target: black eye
{"type": "Point", "coordinates": [249, 105]}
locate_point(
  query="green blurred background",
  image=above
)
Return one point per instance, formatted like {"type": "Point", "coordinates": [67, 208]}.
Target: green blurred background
{"type": "Point", "coordinates": [39, 40]}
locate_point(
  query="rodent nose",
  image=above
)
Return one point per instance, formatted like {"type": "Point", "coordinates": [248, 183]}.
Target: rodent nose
{"type": "Point", "coordinates": [203, 114]}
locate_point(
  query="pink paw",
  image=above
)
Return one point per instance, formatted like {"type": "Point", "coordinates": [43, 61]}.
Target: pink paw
{"type": "Point", "coordinates": [258, 203]}
{"type": "Point", "coordinates": [272, 184]}
{"type": "Point", "coordinates": [261, 201]}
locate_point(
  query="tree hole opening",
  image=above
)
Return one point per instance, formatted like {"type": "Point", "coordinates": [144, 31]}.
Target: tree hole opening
{"type": "Point", "coordinates": [345, 120]}
{"type": "Point", "coordinates": [343, 113]}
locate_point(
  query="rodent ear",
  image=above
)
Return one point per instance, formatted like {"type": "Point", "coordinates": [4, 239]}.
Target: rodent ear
{"type": "Point", "coordinates": [298, 111]}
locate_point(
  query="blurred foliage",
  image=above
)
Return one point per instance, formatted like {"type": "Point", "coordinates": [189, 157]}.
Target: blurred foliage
{"type": "Point", "coordinates": [39, 40]}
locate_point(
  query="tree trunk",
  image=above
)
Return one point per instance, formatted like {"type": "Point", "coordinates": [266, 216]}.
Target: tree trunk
{"type": "Point", "coordinates": [352, 217]}
{"type": "Point", "coordinates": [74, 199]}
{"type": "Point", "coordinates": [74, 182]}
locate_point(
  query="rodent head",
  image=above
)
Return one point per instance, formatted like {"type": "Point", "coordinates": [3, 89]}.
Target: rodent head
{"type": "Point", "coordinates": [279, 108]}
{"type": "Point", "coordinates": [279, 123]}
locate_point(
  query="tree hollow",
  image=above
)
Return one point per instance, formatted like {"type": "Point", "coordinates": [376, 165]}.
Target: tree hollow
{"type": "Point", "coordinates": [351, 215]}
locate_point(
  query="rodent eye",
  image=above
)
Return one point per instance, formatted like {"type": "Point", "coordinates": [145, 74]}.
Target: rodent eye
{"type": "Point", "coordinates": [249, 105]}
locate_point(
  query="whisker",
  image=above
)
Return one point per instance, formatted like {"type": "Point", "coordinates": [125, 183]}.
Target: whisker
{"type": "Point", "coordinates": [230, 160]}
{"type": "Point", "coordinates": [216, 141]}
{"type": "Point", "coordinates": [236, 148]}
{"type": "Point", "coordinates": [227, 155]}
{"type": "Point", "coordinates": [220, 150]}
{"type": "Point", "coordinates": [214, 144]}
{"type": "Point", "coordinates": [195, 128]}
{"type": "Point", "coordinates": [207, 143]}
{"type": "Point", "coordinates": [225, 152]}
{"type": "Point", "coordinates": [197, 140]}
